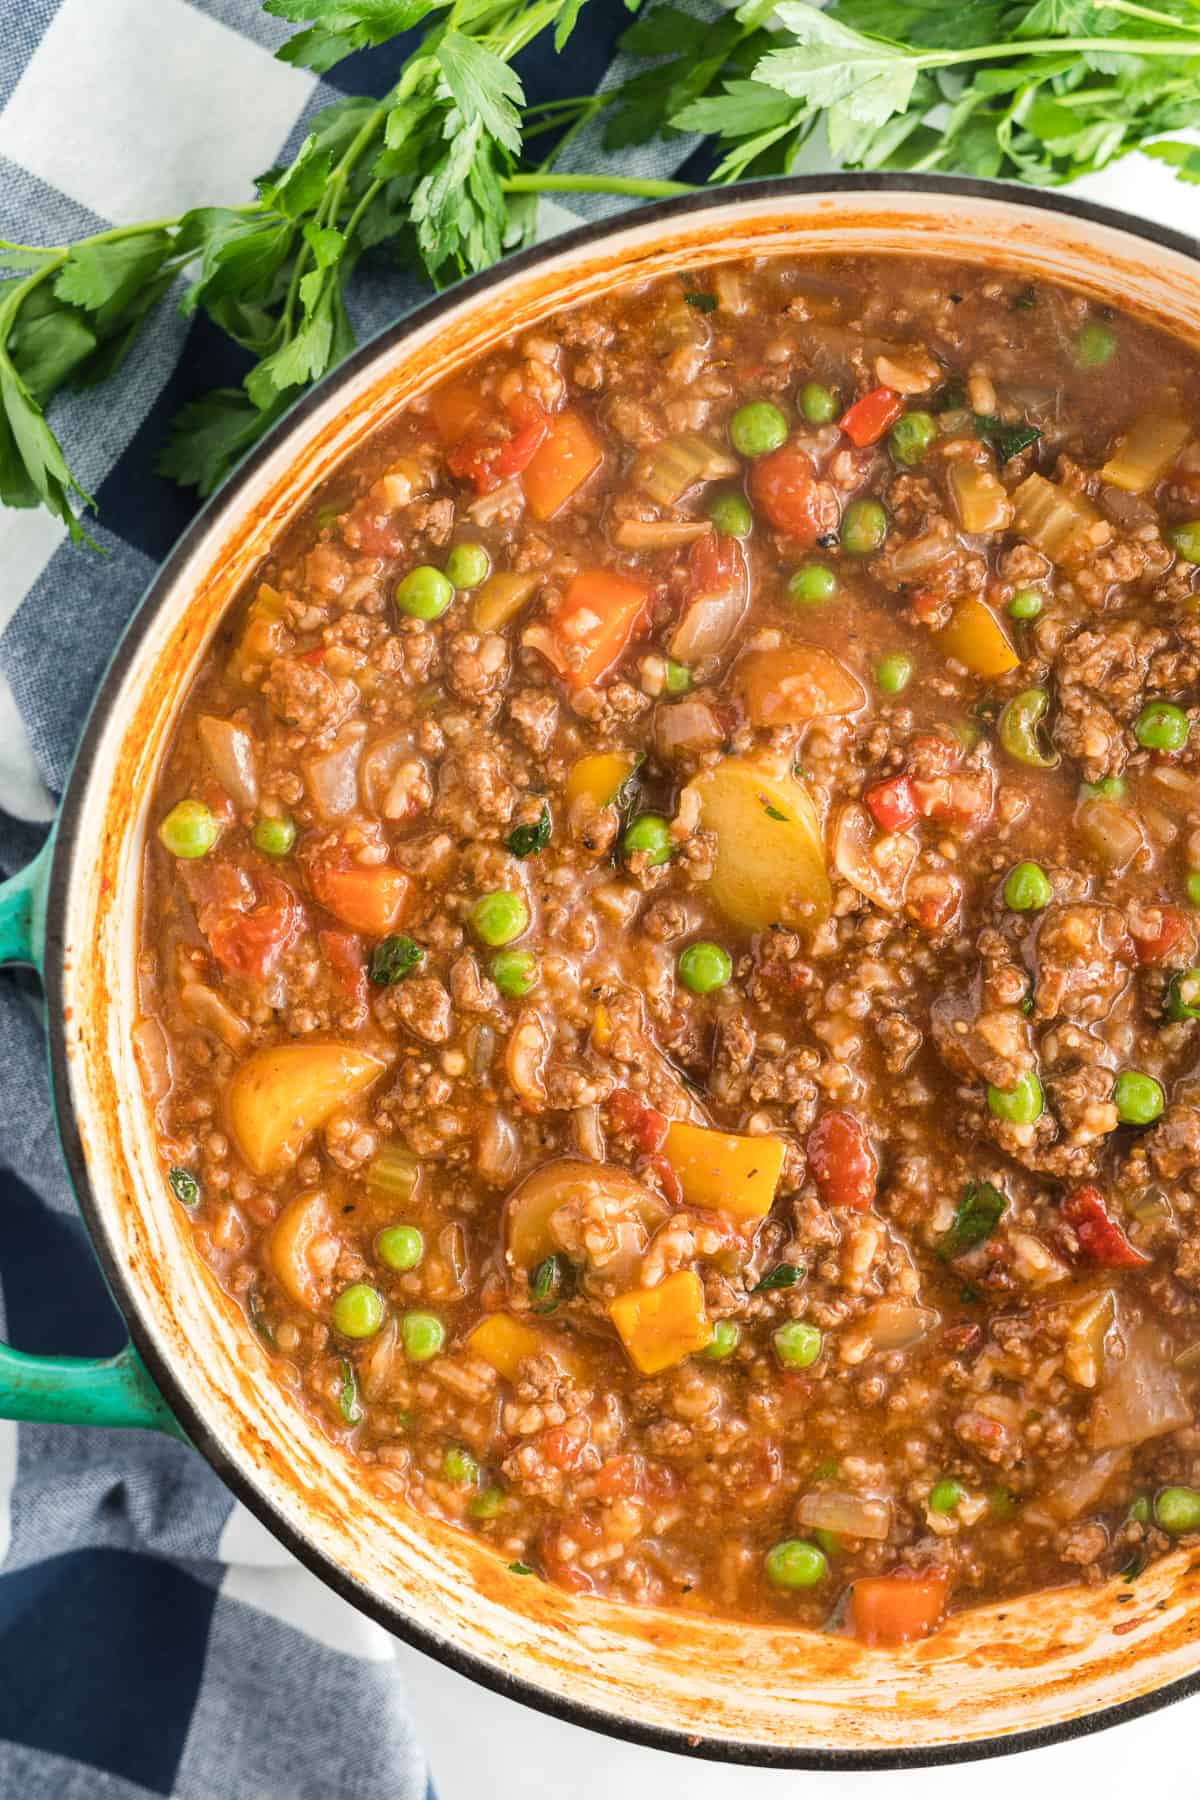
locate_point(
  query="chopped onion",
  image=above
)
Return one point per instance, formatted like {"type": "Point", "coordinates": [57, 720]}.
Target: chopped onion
{"type": "Point", "coordinates": [895, 1325]}
{"type": "Point", "coordinates": [1143, 1397]}
{"type": "Point", "coordinates": [1110, 830]}
{"type": "Point", "coordinates": [708, 624]}
{"type": "Point", "coordinates": [332, 778]}
{"type": "Point", "coordinates": [686, 728]}
{"type": "Point", "coordinates": [659, 534]}
{"type": "Point", "coordinates": [851, 1515]}
{"type": "Point", "coordinates": [498, 1150]}
{"type": "Point", "coordinates": [1078, 1490]}
{"type": "Point", "coordinates": [230, 751]}
{"type": "Point", "coordinates": [877, 865]}
{"type": "Point", "coordinates": [153, 1059]}
{"type": "Point", "coordinates": [206, 1009]}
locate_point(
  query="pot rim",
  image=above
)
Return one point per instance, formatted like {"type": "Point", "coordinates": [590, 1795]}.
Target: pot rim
{"type": "Point", "coordinates": [223, 506]}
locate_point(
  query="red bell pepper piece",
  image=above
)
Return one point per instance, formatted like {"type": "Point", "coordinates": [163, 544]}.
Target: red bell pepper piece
{"type": "Point", "coordinates": [866, 421]}
{"type": "Point", "coordinates": [1156, 945]}
{"type": "Point", "coordinates": [644, 1123]}
{"type": "Point", "coordinates": [1100, 1237]}
{"type": "Point", "coordinates": [892, 803]}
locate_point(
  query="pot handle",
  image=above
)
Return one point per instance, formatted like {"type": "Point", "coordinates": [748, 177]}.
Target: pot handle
{"type": "Point", "coordinates": [65, 1390]}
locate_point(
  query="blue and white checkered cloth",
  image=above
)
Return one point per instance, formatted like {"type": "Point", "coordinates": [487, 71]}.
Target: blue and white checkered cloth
{"type": "Point", "coordinates": [154, 1639]}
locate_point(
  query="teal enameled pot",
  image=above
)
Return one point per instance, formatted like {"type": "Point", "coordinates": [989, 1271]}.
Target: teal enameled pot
{"type": "Point", "coordinates": [996, 1679]}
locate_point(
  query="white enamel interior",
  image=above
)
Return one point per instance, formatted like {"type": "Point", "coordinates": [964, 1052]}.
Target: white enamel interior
{"type": "Point", "coordinates": [990, 1673]}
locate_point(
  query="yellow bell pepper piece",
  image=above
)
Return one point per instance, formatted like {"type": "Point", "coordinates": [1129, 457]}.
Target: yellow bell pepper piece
{"type": "Point", "coordinates": [661, 1325]}
{"type": "Point", "coordinates": [601, 1028]}
{"type": "Point", "coordinates": [505, 1342]}
{"type": "Point", "coordinates": [600, 777]}
{"type": "Point", "coordinates": [262, 634]}
{"type": "Point", "coordinates": [974, 638]}
{"type": "Point", "coordinates": [734, 1175]}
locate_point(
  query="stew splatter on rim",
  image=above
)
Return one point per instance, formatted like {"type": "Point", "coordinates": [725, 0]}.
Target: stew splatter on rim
{"type": "Point", "coordinates": [667, 964]}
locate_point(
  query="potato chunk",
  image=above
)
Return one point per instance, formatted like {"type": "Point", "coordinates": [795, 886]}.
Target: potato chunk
{"type": "Point", "coordinates": [797, 683]}
{"type": "Point", "coordinates": [286, 1092]}
{"type": "Point", "coordinates": [300, 1227]}
{"type": "Point", "coordinates": [597, 1215]}
{"type": "Point", "coordinates": [770, 860]}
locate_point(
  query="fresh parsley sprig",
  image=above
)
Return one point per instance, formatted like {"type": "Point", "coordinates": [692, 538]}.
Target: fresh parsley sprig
{"type": "Point", "coordinates": [1042, 93]}
{"type": "Point", "coordinates": [435, 170]}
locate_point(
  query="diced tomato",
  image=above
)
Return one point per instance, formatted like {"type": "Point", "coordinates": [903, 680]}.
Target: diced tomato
{"type": "Point", "coordinates": [963, 799]}
{"type": "Point", "coordinates": [1163, 930]}
{"type": "Point", "coordinates": [668, 1179]}
{"type": "Point", "coordinates": [842, 1162]}
{"type": "Point", "coordinates": [343, 952]}
{"type": "Point", "coordinates": [250, 944]}
{"type": "Point", "coordinates": [644, 1123]}
{"type": "Point", "coordinates": [866, 421]}
{"type": "Point", "coordinates": [313, 656]}
{"type": "Point", "coordinates": [369, 527]}
{"type": "Point", "coordinates": [488, 459]}
{"type": "Point", "coordinates": [716, 565]}
{"type": "Point", "coordinates": [890, 1610]}
{"type": "Point", "coordinates": [619, 1477]}
{"type": "Point", "coordinates": [563, 1445]}
{"type": "Point", "coordinates": [1100, 1237]}
{"type": "Point", "coordinates": [892, 803]}
{"type": "Point", "coordinates": [371, 900]}
{"type": "Point", "coordinates": [560, 1549]}
{"type": "Point", "coordinates": [598, 617]}
{"type": "Point", "coordinates": [785, 489]}
{"type": "Point", "coordinates": [933, 899]}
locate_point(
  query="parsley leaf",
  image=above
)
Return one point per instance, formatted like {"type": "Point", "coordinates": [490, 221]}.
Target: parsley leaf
{"type": "Point", "coordinates": [783, 1275]}
{"type": "Point", "coordinates": [527, 840]}
{"type": "Point", "coordinates": [393, 960]}
{"type": "Point", "coordinates": [184, 1186]}
{"type": "Point", "coordinates": [1007, 440]}
{"type": "Point", "coordinates": [978, 1214]}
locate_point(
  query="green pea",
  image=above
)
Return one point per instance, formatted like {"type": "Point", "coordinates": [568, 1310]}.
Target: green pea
{"type": "Point", "coordinates": [400, 1247]}
{"type": "Point", "coordinates": [467, 566]}
{"type": "Point", "coordinates": [425, 593]}
{"type": "Point", "coordinates": [894, 673]}
{"type": "Point", "coordinates": [515, 973]}
{"type": "Point", "coordinates": [358, 1311]}
{"type": "Point", "coordinates": [679, 678]}
{"type": "Point", "coordinates": [864, 527]}
{"type": "Point", "coordinates": [1138, 1098]}
{"type": "Point", "coordinates": [1139, 1509]}
{"type": "Point", "coordinates": [499, 917]}
{"type": "Point", "coordinates": [1095, 345]}
{"type": "Point", "coordinates": [725, 1338]}
{"type": "Point", "coordinates": [757, 429]}
{"type": "Point", "coordinates": [489, 1503]}
{"type": "Point", "coordinates": [1183, 995]}
{"type": "Point", "coordinates": [1018, 729]}
{"type": "Point", "coordinates": [460, 1466]}
{"type": "Point", "coordinates": [1020, 1104]}
{"type": "Point", "coordinates": [189, 830]}
{"type": "Point", "coordinates": [274, 837]}
{"type": "Point", "coordinates": [795, 1563]}
{"type": "Point", "coordinates": [1177, 1509]}
{"type": "Point", "coordinates": [911, 436]}
{"type": "Point", "coordinates": [1109, 787]}
{"type": "Point", "coordinates": [1185, 540]}
{"type": "Point", "coordinates": [1192, 886]}
{"type": "Point", "coordinates": [817, 403]}
{"type": "Point", "coordinates": [944, 1496]}
{"type": "Point", "coordinates": [705, 967]}
{"type": "Point", "coordinates": [1026, 603]}
{"type": "Point", "coordinates": [1027, 888]}
{"type": "Point", "coordinates": [651, 835]}
{"type": "Point", "coordinates": [797, 1344]}
{"type": "Point", "coordinates": [812, 585]}
{"type": "Point", "coordinates": [1161, 726]}
{"type": "Point", "coordinates": [1001, 1502]}
{"type": "Point", "coordinates": [730, 513]}
{"type": "Point", "coordinates": [422, 1334]}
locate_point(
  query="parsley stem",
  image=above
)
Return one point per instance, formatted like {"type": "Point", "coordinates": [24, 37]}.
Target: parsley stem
{"type": "Point", "coordinates": [1110, 46]}
{"type": "Point", "coordinates": [1133, 11]}
{"type": "Point", "coordinates": [632, 185]}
